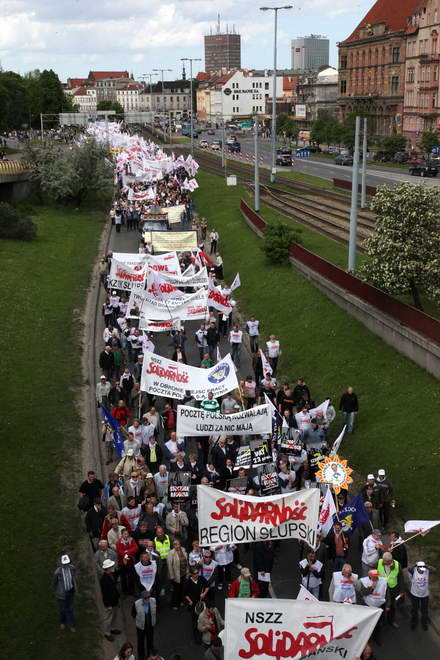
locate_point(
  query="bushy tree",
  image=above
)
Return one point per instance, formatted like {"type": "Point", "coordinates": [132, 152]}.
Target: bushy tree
{"type": "Point", "coordinates": [72, 174]}
{"type": "Point", "coordinates": [428, 140]}
{"type": "Point", "coordinates": [404, 249]}
{"type": "Point", "coordinates": [392, 143]}
{"type": "Point", "coordinates": [276, 239]}
{"type": "Point", "coordinates": [111, 105]}
{"type": "Point", "coordinates": [14, 111]}
{"type": "Point", "coordinates": [12, 225]}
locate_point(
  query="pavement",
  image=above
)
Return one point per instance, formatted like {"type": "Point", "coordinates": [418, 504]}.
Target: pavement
{"type": "Point", "coordinates": [173, 630]}
{"type": "Point", "coordinates": [322, 167]}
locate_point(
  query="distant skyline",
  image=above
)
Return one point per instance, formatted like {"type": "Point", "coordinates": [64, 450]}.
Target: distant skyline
{"type": "Point", "coordinates": [140, 35]}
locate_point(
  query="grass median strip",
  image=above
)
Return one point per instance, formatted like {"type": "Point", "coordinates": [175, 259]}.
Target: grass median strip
{"type": "Point", "coordinates": [398, 421]}
{"type": "Point", "coordinates": [45, 284]}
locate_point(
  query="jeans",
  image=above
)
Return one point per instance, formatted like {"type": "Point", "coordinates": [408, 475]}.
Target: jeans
{"type": "Point", "coordinates": [416, 604]}
{"type": "Point", "coordinates": [348, 420]}
{"type": "Point", "coordinates": [67, 615]}
{"type": "Point", "coordinates": [145, 642]}
{"type": "Point", "coordinates": [254, 343]}
{"type": "Point", "coordinates": [235, 353]}
{"type": "Point", "coordinates": [110, 619]}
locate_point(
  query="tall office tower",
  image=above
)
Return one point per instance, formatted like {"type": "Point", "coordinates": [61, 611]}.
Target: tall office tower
{"type": "Point", "coordinates": [222, 49]}
{"type": "Point", "coordinates": [310, 53]}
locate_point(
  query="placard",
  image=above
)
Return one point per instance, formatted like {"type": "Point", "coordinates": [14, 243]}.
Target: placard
{"type": "Point", "coordinates": [254, 421]}
{"type": "Point", "coordinates": [174, 240]}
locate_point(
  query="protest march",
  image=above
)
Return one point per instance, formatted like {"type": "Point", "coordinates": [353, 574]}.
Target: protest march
{"type": "Point", "coordinates": [223, 484]}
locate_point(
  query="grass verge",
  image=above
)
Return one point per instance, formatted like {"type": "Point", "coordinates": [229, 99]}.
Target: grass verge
{"type": "Point", "coordinates": [397, 428]}
{"type": "Point", "coordinates": [47, 281]}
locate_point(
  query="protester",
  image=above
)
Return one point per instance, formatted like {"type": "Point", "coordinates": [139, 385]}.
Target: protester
{"type": "Point", "coordinates": [419, 592]}
{"type": "Point", "coordinates": [144, 612]}
{"type": "Point", "coordinates": [64, 583]}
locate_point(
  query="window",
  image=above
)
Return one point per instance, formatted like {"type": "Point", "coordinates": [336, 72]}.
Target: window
{"type": "Point", "coordinates": [343, 62]}
{"type": "Point", "coordinates": [396, 54]}
{"type": "Point", "coordinates": [343, 86]}
{"type": "Point", "coordinates": [410, 75]}
{"type": "Point", "coordinates": [434, 73]}
{"type": "Point", "coordinates": [434, 46]}
{"type": "Point", "coordinates": [394, 84]}
{"type": "Point", "coordinates": [266, 85]}
{"type": "Point", "coordinates": [433, 100]}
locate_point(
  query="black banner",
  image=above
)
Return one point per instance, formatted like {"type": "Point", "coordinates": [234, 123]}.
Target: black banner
{"type": "Point", "coordinates": [260, 452]}
{"type": "Point", "coordinates": [269, 484]}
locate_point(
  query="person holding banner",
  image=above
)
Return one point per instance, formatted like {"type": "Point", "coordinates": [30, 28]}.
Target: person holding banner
{"type": "Point", "coordinates": [312, 572]}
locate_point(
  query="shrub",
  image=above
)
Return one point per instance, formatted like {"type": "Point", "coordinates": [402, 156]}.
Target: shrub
{"type": "Point", "coordinates": [13, 226]}
{"type": "Point", "coordinates": [276, 241]}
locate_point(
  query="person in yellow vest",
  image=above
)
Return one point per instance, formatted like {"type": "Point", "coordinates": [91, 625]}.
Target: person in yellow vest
{"type": "Point", "coordinates": [390, 569]}
{"type": "Point", "coordinates": [162, 544]}
{"type": "Point", "coordinates": [375, 593]}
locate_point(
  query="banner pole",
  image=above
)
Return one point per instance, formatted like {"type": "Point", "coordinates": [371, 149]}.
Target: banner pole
{"type": "Point", "coordinates": [422, 531]}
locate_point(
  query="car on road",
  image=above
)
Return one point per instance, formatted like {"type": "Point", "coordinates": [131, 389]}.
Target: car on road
{"type": "Point", "coordinates": [423, 169]}
{"type": "Point", "coordinates": [235, 147]}
{"type": "Point", "coordinates": [284, 150]}
{"type": "Point", "coordinates": [284, 160]}
{"type": "Point", "coordinates": [231, 139]}
{"type": "Point", "coordinates": [211, 131]}
{"type": "Point", "coordinates": [344, 159]}
{"type": "Point", "coordinates": [203, 144]}
{"type": "Point", "coordinates": [216, 145]}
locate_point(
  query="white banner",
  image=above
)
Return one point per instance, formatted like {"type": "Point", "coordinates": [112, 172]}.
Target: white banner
{"type": "Point", "coordinates": [165, 377]}
{"type": "Point", "coordinates": [337, 443]}
{"type": "Point", "coordinates": [189, 306]}
{"type": "Point", "coordinates": [194, 421]}
{"type": "Point", "coordinates": [277, 628]}
{"type": "Point", "coordinates": [267, 369]}
{"type": "Point", "coordinates": [194, 280]}
{"type": "Point", "coordinates": [130, 258]}
{"type": "Point", "coordinates": [174, 240]}
{"type": "Point", "coordinates": [161, 288]}
{"type": "Point", "coordinates": [124, 278]}
{"type": "Point", "coordinates": [304, 594]}
{"type": "Point", "coordinates": [414, 526]}
{"type": "Point", "coordinates": [175, 213]}
{"type": "Point", "coordinates": [217, 300]}
{"type": "Point", "coordinates": [159, 326]}
{"type": "Point", "coordinates": [227, 518]}
{"type": "Point", "coordinates": [321, 408]}
{"type": "Point", "coordinates": [236, 283]}
{"type": "Point", "coordinates": [167, 263]}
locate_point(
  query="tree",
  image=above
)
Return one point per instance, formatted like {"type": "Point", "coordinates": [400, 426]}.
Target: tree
{"type": "Point", "coordinates": [70, 175]}
{"type": "Point", "coordinates": [392, 143]}
{"type": "Point", "coordinates": [13, 101]}
{"type": "Point", "coordinates": [429, 140]}
{"type": "Point", "coordinates": [404, 250]}
{"type": "Point", "coordinates": [276, 240]}
{"type": "Point", "coordinates": [14, 226]}
{"type": "Point", "coordinates": [111, 105]}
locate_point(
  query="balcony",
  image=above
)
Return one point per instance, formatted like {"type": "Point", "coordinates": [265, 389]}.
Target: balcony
{"type": "Point", "coordinates": [428, 85]}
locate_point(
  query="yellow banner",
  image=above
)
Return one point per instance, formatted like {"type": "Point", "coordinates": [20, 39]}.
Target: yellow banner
{"type": "Point", "coordinates": [166, 241]}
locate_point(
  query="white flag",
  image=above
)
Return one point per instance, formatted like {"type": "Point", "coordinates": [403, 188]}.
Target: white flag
{"type": "Point", "coordinates": [304, 594]}
{"type": "Point", "coordinates": [328, 510]}
{"type": "Point", "coordinates": [337, 443]}
{"type": "Point", "coordinates": [236, 283]}
{"type": "Point", "coordinates": [414, 526]}
{"type": "Point", "coordinates": [266, 364]}
{"type": "Point", "coordinates": [219, 357]}
{"type": "Point", "coordinates": [321, 408]}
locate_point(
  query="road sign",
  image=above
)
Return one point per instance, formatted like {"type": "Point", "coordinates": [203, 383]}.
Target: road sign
{"type": "Point", "coordinates": [303, 153]}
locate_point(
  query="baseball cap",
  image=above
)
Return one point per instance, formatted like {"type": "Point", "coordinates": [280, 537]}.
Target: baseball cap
{"type": "Point", "coordinates": [421, 564]}
{"type": "Point", "coordinates": [130, 452]}
{"type": "Point", "coordinates": [107, 563]}
{"type": "Point", "coordinates": [373, 573]}
{"type": "Point", "coordinates": [381, 472]}
{"type": "Point", "coordinates": [65, 559]}
{"type": "Point", "coordinates": [103, 376]}
{"type": "Point", "coordinates": [113, 293]}
{"type": "Point", "coordinates": [245, 572]}
{"type": "Point", "coordinates": [370, 476]}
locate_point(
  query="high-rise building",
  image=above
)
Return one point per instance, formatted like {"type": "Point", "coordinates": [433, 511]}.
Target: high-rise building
{"type": "Point", "coordinates": [310, 53]}
{"type": "Point", "coordinates": [222, 50]}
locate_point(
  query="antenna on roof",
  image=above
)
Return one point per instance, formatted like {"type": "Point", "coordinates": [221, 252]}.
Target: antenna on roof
{"type": "Point", "coordinates": [218, 23]}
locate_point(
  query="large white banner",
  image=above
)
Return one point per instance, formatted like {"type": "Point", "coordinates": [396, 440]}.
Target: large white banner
{"type": "Point", "coordinates": [190, 306]}
{"type": "Point", "coordinates": [174, 240]}
{"type": "Point", "coordinates": [278, 628]}
{"type": "Point", "coordinates": [194, 280]}
{"type": "Point", "coordinates": [159, 326]}
{"type": "Point", "coordinates": [217, 300]}
{"type": "Point", "coordinates": [171, 379]}
{"type": "Point", "coordinates": [124, 278]}
{"type": "Point", "coordinates": [165, 263]}
{"type": "Point", "coordinates": [228, 518]}
{"type": "Point", "coordinates": [194, 421]}
{"type": "Point", "coordinates": [130, 258]}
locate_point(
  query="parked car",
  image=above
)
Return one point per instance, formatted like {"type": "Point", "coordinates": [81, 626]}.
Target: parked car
{"type": "Point", "coordinates": [230, 139]}
{"type": "Point", "coordinates": [333, 151]}
{"type": "Point", "coordinates": [344, 159]}
{"type": "Point", "coordinates": [284, 150]}
{"type": "Point", "coordinates": [423, 169]}
{"type": "Point", "coordinates": [284, 159]}
{"type": "Point", "coordinates": [314, 149]}
{"type": "Point", "coordinates": [203, 144]}
{"type": "Point", "coordinates": [216, 145]}
{"type": "Point", "coordinates": [235, 147]}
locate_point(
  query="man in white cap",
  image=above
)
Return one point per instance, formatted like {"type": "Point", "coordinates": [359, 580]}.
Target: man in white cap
{"type": "Point", "coordinates": [374, 592]}
{"type": "Point", "coordinates": [65, 589]}
{"type": "Point", "coordinates": [370, 550]}
{"type": "Point", "coordinates": [127, 464]}
{"type": "Point", "coordinates": [102, 391]}
{"type": "Point", "coordinates": [386, 496]}
{"type": "Point", "coordinates": [342, 586]}
{"type": "Point", "coordinates": [110, 599]}
{"type": "Point", "coordinates": [419, 592]}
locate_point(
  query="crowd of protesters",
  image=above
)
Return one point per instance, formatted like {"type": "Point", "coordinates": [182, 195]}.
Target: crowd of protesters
{"type": "Point", "coordinates": [145, 542]}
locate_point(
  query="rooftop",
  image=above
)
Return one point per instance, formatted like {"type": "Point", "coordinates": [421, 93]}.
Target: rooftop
{"type": "Point", "coordinates": [394, 13]}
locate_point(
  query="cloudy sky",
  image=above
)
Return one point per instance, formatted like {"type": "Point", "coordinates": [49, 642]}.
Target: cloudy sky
{"type": "Point", "coordinates": [139, 35]}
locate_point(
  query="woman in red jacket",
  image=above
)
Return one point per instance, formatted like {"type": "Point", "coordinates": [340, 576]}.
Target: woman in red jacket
{"type": "Point", "coordinates": [126, 549]}
{"type": "Point", "coordinates": [121, 413]}
{"type": "Point", "coordinates": [244, 586]}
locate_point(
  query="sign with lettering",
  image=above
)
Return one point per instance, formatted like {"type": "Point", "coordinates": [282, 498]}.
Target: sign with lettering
{"type": "Point", "coordinates": [226, 518]}
{"type": "Point", "coordinates": [125, 278]}
{"type": "Point", "coordinates": [272, 629]}
{"type": "Point", "coordinates": [255, 421]}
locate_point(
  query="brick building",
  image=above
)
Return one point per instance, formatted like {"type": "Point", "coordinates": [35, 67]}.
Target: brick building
{"type": "Point", "coordinates": [372, 66]}
{"type": "Point", "coordinates": [421, 101]}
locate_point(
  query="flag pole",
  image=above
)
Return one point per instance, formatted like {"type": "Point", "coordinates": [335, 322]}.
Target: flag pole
{"type": "Point", "coordinates": [422, 531]}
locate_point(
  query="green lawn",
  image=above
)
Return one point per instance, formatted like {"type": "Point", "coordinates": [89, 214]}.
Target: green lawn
{"type": "Point", "coordinates": [399, 402]}
{"type": "Point", "coordinates": [45, 286]}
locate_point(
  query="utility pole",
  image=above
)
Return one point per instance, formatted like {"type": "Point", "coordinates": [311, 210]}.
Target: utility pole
{"type": "Point", "coordinates": [354, 198]}
{"type": "Point", "coordinates": [42, 126]}
{"type": "Point", "coordinates": [274, 90]}
{"type": "Point", "coordinates": [163, 90]}
{"type": "Point", "coordinates": [364, 167]}
{"type": "Point", "coordinates": [223, 142]}
{"type": "Point", "coordinates": [191, 60]}
{"type": "Point", "coordinates": [256, 168]}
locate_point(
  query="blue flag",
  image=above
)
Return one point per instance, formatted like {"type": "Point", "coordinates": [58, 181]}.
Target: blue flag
{"type": "Point", "coordinates": [352, 515]}
{"type": "Point", "coordinates": [118, 440]}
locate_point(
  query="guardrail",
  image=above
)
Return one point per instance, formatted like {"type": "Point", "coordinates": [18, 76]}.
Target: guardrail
{"type": "Point", "coordinates": [13, 166]}
{"type": "Point", "coordinates": [346, 185]}
{"type": "Point", "coordinates": [404, 314]}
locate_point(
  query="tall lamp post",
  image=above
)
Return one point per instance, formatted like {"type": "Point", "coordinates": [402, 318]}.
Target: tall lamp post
{"type": "Point", "coordinates": [144, 76]}
{"type": "Point", "coordinates": [163, 91]}
{"type": "Point", "coordinates": [191, 60]}
{"type": "Point", "coordinates": [274, 91]}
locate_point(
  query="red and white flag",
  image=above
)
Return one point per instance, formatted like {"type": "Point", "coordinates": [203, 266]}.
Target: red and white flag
{"type": "Point", "coordinates": [236, 283]}
{"type": "Point", "coordinates": [337, 443]}
{"type": "Point", "coordinates": [217, 300]}
{"type": "Point", "coordinates": [328, 510]}
{"type": "Point", "coordinates": [266, 364]}
{"type": "Point", "coordinates": [160, 288]}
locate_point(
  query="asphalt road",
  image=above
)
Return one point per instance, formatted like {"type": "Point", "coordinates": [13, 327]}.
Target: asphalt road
{"type": "Point", "coordinates": [173, 631]}
{"type": "Point", "coordinates": [323, 167]}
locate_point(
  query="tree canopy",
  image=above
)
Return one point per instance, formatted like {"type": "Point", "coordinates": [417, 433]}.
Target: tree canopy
{"type": "Point", "coordinates": [404, 250]}
{"type": "Point", "coordinates": [276, 239]}
{"type": "Point", "coordinates": [428, 141]}
{"type": "Point", "coordinates": [111, 105]}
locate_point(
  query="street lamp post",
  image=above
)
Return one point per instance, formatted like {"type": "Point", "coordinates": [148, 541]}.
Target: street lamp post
{"type": "Point", "coordinates": [274, 91]}
{"type": "Point", "coordinates": [149, 75]}
{"type": "Point", "coordinates": [191, 60]}
{"type": "Point", "coordinates": [163, 91]}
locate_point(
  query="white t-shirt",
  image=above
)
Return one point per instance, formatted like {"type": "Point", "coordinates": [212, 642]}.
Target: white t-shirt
{"type": "Point", "coordinates": [147, 574]}
{"type": "Point", "coordinates": [131, 444]}
{"type": "Point", "coordinates": [303, 421]}
{"type": "Point", "coordinates": [161, 481]}
{"type": "Point", "coordinates": [236, 336]}
{"type": "Point", "coordinates": [253, 328]}
{"type": "Point", "coordinates": [137, 432]}
{"type": "Point", "coordinates": [273, 348]}
{"type": "Point", "coordinates": [132, 516]}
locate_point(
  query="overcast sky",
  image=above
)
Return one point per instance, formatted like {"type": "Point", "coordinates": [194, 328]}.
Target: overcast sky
{"type": "Point", "coordinates": [139, 35]}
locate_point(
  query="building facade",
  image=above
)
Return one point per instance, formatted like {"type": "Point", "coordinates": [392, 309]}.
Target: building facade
{"type": "Point", "coordinates": [85, 99]}
{"type": "Point", "coordinates": [372, 66]}
{"type": "Point", "coordinates": [318, 95]}
{"type": "Point", "coordinates": [421, 100]}
{"type": "Point", "coordinates": [174, 98]}
{"type": "Point", "coordinates": [310, 53]}
{"type": "Point", "coordinates": [222, 51]}
{"type": "Point", "coordinates": [130, 97]}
